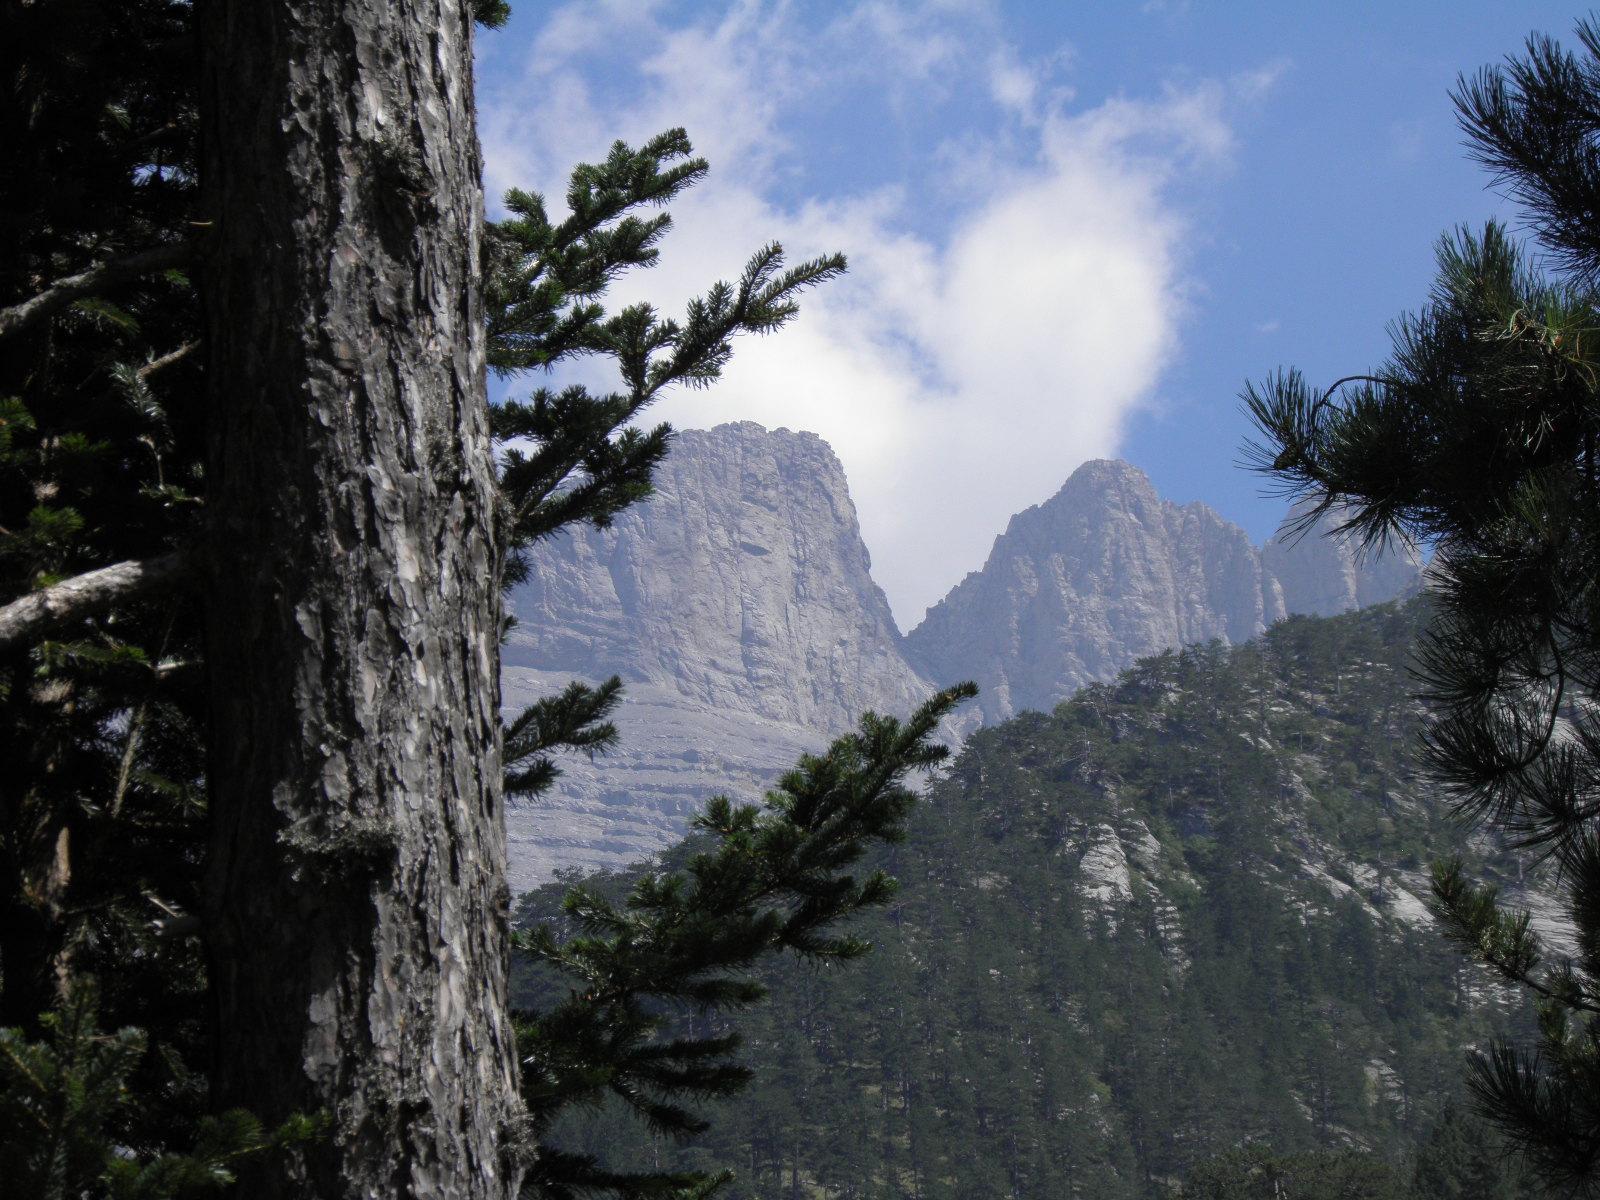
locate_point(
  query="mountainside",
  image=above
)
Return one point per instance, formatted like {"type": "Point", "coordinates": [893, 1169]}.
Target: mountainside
{"type": "Point", "coordinates": [1106, 572]}
{"type": "Point", "coordinates": [738, 607]}
{"type": "Point", "coordinates": [1324, 576]}
{"type": "Point", "coordinates": [1179, 913]}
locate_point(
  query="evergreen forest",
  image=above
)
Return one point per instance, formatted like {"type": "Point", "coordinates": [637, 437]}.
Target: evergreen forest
{"type": "Point", "coordinates": [1187, 936]}
{"type": "Point", "coordinates": [1034, 1022]}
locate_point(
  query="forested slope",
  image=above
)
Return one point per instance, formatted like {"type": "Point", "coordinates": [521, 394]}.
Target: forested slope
{"type": "Point", "coordinates": [1180, 913]}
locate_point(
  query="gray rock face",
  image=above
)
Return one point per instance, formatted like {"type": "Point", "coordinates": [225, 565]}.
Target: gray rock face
{"type": "Point", "coordinates": [738, 607]}
{"type": "Point", "coordinates": [1106, 572]}
{"type": "Point", "coordinates": [1323, 573]}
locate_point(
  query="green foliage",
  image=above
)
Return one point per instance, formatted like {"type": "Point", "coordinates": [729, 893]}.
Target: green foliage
{"type": "Point", "coordinates": [101, 434]}
{"type": "Point", "coordinates": [1533, 123]}
{"type": "Point", "coordinates": [1014, 1035]}
{"type": "Point", "coordinates": [1478, 436]}
{"type": "Point", "coordinates": [1461, 1159]}
{"type": "Point", "coordinates": [568, 455]}
{"type": "Point", "coordinates": [491, 14]}
{"type": "Point", "coordinates": [547, 278]}
{"type": "Point", "coordinates": [576, 719]}
{"type": "Point", "coordinates": [762, 879]}
{"type": "Point", "coordinates": [1253, 1173]}
{"type": "Point", "coordinates": [67, 1129]}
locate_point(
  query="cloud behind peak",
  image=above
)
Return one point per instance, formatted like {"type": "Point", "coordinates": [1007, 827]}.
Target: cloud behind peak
{"type": "Point", "coordinates": [1018, 266]}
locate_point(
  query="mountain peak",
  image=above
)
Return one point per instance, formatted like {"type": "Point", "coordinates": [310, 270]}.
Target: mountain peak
{"type": "Point", "coordinates": [738, 606]}
{"type": "Point", "coordinates": [1097, 478]}
{"type": "Point", "coordinates": [1106, 571]}
{"type": "Point", "coordinates": [1106, 472]}
{"type": "Point", "coordinates": [1078, 588]}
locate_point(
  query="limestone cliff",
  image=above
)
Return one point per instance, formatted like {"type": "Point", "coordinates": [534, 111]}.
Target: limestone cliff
{"type": "Point", "coordinates": [738, 607]}
{"type": "Point", "coordinates": [1106, 572]}
{"type": "Point", "coordinates": [1323, 573]}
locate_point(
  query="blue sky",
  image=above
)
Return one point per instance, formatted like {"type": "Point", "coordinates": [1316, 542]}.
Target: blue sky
{"type": "Point", "coordinates": [1075, 229]}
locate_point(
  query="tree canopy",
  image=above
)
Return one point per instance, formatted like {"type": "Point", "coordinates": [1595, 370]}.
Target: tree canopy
{"type": "Point", "coordinates": [105, 507]}
{"type": "Point", "coordinates": [1477, 437]}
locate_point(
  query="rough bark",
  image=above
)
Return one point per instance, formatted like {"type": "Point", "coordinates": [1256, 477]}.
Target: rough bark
{"type": "Point", "coordinates": [358, 909]}
{"type": "Point", "coordinates": [31, 617]}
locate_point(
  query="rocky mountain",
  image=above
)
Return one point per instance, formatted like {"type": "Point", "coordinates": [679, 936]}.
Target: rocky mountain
{"type": "Point", "coordinates": [1106, 572]}
{"type": "Point", "coordinates": [1322, 574]}
{"type": "Point", "coordinates": [738, 606]}
{"type": "Point", "coordinates": [1180, 913]}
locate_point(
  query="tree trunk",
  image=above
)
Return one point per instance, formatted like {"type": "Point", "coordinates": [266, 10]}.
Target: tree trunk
{"type": "Point", "coordinates": [358, 909]}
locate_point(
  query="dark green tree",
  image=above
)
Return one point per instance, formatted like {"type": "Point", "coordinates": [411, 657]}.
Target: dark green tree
{"type": "Point", "coordinates": [101, 809]}
{"type": "Point", "coordinates": [59, 1096]}
{"type": "Point", "coordinates": [768, 878]}
{"type": "Point", "coordinates": [1478, 437]}
{"type": "Point", "coordinates": [1461, 1159]}
{"type": "Point", "coordinates": [102, 500]}
{"type": "Point", "coordinates": [1255, 1173]}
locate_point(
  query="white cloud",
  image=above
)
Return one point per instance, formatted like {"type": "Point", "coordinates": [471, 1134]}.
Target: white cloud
{"type": "Point", "coordinates": [1012, 84]}
{"type": "Point", "coordinates": [960, 374]}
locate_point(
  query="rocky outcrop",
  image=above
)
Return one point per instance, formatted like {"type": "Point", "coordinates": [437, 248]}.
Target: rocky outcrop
{"type": "Point", "coordinates": [1323, 572]}
{"type": "Point", "coordinates": [1106, 572]}
{"type": "Point", "coordinates": [738, 607]}
{"type": "Point", "coordinates": [1079, 587]}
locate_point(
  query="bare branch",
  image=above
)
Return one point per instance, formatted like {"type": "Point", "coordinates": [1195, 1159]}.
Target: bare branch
{"type": "Point", "coordinates": [97, 278]}
{"type": "Point", "coordinates": [166, 360]}
{"type": "Point", "coordinates": [38, 613]}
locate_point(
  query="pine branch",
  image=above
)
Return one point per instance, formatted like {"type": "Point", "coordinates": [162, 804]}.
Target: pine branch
{"type": "Point", "coordinates": [774, 877]}
{"type": "Point", "coordinates": [96, 279]}
{"type": "Point", "coordinates": [578, 472]}
{"type": "Point", "coordinates": [577, 719]}
{"type": "Point", "coordinates": [1479, 435]}
{"type": "Point", "coordinates": [31, 617]}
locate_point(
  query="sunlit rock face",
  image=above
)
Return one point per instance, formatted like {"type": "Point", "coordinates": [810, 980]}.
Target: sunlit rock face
{"type": "Point", "coordinates": [737, 604]}
{"type": "Point", "coordinates": [1323, 573]}
{"type": "Point", "coordinates": [1079, 587]}
{"type": "Point", "coordinates": [1106, 572]}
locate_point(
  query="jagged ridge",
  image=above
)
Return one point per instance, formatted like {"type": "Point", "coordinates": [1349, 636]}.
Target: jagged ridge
{"type": "Point", "coordinates": [1106, 572]}
{"type": "Point", "coordinates": [738, 606]}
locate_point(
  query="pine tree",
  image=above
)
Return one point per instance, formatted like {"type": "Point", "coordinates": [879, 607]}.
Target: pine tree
{"type": "Point", "coordinates": [1477, 437]}
{"type": "Point", "coordinates": [106, 356]}
{"type": "Point", "coordinates": [356, 916]}
{"type": "Point", "coordinates": [770, 878]}
{"type": "Point", "coordinates": [101, 808]}
{"type": "Point", "coordinates": [1254, 1173]}
{"type": "Point", "coordinates": [1462, 1160]}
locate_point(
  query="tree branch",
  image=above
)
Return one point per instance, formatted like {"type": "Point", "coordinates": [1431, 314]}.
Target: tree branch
{"type": "Point", "coordinates": [97, 278]}
{"type": "Point", "coordinates": [36, 614]}
{"type": "Point", "coordinates": [166, 360]}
